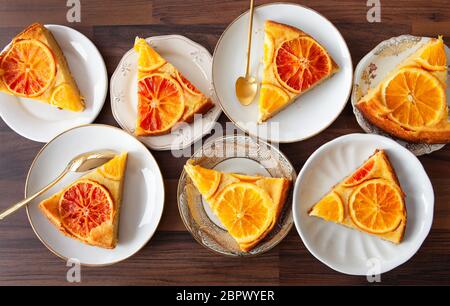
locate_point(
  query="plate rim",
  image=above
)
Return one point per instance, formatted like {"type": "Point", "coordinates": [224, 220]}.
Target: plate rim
{"type": "Point", "coordinates": [428, 222]}
{"type": "Point", "coordinates": [105, 91]}
{"type": "Point", "coordinates": [215, 98]}
{"type": "Point", "coordinates": [268, 139]}
{"type": "Point", "coordinates": [28, 213]}
{"type": "Point", "coordinates": [249, 255]}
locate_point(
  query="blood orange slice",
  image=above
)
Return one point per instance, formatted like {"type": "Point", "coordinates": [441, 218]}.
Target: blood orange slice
{"type": "Point", "coordinates": [28, 68]}
{"type": "Point", "coordinates": [361, 174]}
{"type": "Point", "coordinates": [187, 84]}
{"type": "Point", "coordinates": [161, 103]}
{"type": "Point", "coordinates": [83, 206]}
{"type": "Point", "coordinates": [300, 63]}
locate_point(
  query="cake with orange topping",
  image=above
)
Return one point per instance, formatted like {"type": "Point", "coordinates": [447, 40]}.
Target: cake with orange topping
{"type": "Point", "coordinates": [248, 206]}
{"type": "Point", "coordinates": [165, 96]}
{"type": "Point", "coordinates": [410, 102]}
{"type": "Point", "coordinates": [88, 209]}
{"type": "Point", "coordinates": [33, 66]}
{"type": "Point", "coordinates": [294, 63]}
{"type": "Point", "coordinates": [370, 200]}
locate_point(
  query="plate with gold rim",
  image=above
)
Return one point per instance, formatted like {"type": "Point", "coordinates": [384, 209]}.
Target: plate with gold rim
{"type": "Point", "coordinates": [41, 121]}
{"type": "Point", "coordinates": [313, 111]}
{"type": "Point", "coordinates": [142, 199]}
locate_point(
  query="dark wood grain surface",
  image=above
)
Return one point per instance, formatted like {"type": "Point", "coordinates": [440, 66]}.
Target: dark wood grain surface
{"type": "Point", "coordinates": [173, 257]}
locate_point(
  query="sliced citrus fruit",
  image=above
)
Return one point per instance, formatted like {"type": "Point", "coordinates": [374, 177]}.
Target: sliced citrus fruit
{"type": "Point", "coordinates": [300, 63]}
{"type": "Point", "coordinates": [329, 208]}
{"type": "Point", "coordinates": [414, 97]}
{"type": "Point", "coordinates": [206, 180]}
{"type": "Point", "coordinates": [245, 210]}
{"type": "Point", "coordinates": [268, 48]}
{"type": "Point", "coordinates": [376, 206]}
{"type": "Point", "coordinates": [361, 174]}
{"type": "Point", "coordinates": [245, 178]}
{"type": "Point", "coordinates": [161, 103]}
{"type": "Point", "coordinates": [66, 97]}
{"type": "Point", "coordinates": [148, 59]}
{"type": "Point", "coordinates": [272, 98]}
{"type": "Point", "coordinates": [114, 168]}
{"type": "Point", "coordinates": [187, 84]}
{"type": "Point", "coordinates": [83, 206]}
{"type": "Point", "coordinates": [433, 57]}
{"type": "Point", "coordinates": [29, 68]}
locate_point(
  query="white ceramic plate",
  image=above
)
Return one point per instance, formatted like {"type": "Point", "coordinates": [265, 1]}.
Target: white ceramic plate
{"type": "Point", "coordinates": [315, 110]}
{"type": "Point", "coordinates": [194, 62]}
{"type": "Point", "coordinates": [143, 197]}
{"type": "Point", "coordinates": [350, 251]}
{"type": "Point", "coordinates": [373, 68]}
{"type": "Point", "coordinates": [40, 121]}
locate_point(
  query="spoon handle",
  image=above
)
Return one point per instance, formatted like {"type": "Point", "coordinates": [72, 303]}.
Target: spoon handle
{"type": "Point", "coordinates": [249, 41]}
{"type": "Point", "coordinates": [24, 202]}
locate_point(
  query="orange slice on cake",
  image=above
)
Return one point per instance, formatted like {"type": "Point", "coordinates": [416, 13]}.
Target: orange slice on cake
{"type": "Point", "coordinates": [369, 200]}
{"type": "Point", "coordinates": [165, 96]}
{"type": "Point", "coordinates": [161, 104]}
{"type": "Point", "coordinates": [248, 206]}
{"type": "Point", "coordinates": [33, 66]}
{"type": "Point", "coordinates": [410, 102]}
{"type": "Point", "coordinates": [294, 63]}
{"type": "Point", "coordinates": [88, 209]}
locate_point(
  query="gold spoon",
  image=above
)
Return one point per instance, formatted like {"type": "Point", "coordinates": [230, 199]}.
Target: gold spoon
{"type": "Point", "coordinates": [246, 87]}
{"type": "Point", "coordinates": [81, 163]}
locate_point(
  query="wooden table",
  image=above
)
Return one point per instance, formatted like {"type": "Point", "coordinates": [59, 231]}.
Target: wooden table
{"type": "Point", "coordinates": [172, 256]}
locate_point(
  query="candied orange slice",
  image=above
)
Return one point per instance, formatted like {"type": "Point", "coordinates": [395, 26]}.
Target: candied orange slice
{"type": "Point", "coordinates": [246, 210]}
{"type": "Point", "coordinates": [29, 68]}
{"type": "Point", "coordinates": [272, 99]}
{"type": "Point", "coordinates": [160, 103]}
{"type": "Point", "coordinates": [329, 208]}
{"type": "Point", "coordinates": [148, 59]}
{"type": "Point", "coordinates": [206, 180]}
{"type": "Point", "coordinates": [64, 96]}
{"type": "Point", "coordinates": [300, 63]}
{"type": "Point", "coordinates": [433, 57]}
{"type": "Point", "coordinates": [83, 206]}
{"type": "Point", "coordinates": [187, 85]}
{"type": "Point", "coordinates": [361, 174]}
{"type": "Point", "coordinates": [414, 98]}
{"type": "Point", "coordinates": [114, 168]}
{"type": "Point", "coordinates": [376, 206]}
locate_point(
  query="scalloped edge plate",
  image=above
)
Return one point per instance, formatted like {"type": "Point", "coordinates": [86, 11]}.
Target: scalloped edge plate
{"type": "Point", "coordinates": [350, 251]}
{"type": "Point", "coordinates": [193, 61]}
